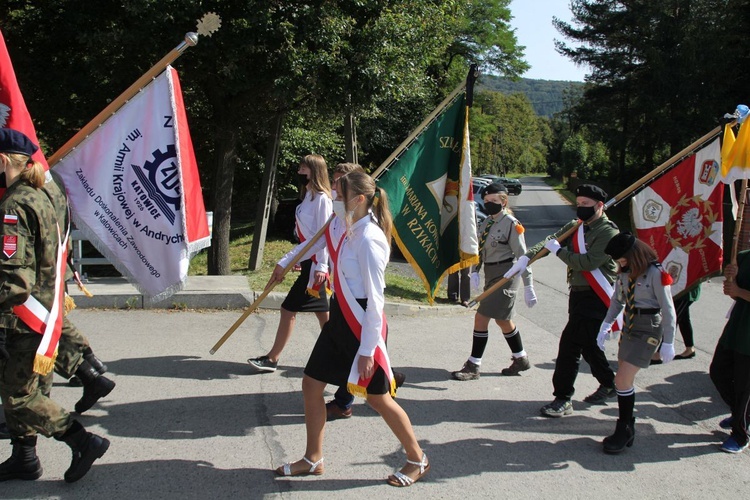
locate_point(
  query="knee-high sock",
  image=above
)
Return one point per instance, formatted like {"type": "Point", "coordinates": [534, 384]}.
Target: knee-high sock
{"type": "Point", "coordinates": [514, 341]}
{"type": "Point", "coordinates": [478, 344]}
{"type": "Point", "coordinates": [626, 402]}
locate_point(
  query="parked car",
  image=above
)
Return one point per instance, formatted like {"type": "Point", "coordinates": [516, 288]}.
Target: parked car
{"type": "Point", "coordinates": [479, 210]}
{"type": "Point", "coordinates": [512, 185]}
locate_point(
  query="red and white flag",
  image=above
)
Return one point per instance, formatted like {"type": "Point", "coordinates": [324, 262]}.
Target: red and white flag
{"type": "Point", "coordinates": [680, 216]}
{"type": "Point", "coordinates": [13, 112]}
{"type": "Point", "coordinates": [134, 189]}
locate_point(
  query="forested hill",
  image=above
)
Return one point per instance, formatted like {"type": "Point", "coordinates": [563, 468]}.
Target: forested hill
{"type": "Point", "coordinates": [545, 95]}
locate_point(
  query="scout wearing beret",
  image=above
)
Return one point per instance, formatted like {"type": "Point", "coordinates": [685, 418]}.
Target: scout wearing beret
{"type": "Point", "coordinates": [591, 273]}
{"type": "Point", "coordinates": [642, 289]}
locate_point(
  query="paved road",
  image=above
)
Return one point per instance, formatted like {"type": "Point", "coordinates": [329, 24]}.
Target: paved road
{"type": "Point", "coordinates": [188, 425]}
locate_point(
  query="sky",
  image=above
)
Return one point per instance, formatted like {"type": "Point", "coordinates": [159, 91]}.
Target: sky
{"type": "Point", "coordinates": [532, 20]}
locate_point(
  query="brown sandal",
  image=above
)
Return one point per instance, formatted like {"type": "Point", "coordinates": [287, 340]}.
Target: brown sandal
{"type": "Point", "coordinates": [400, 479]}
{"type": "Point", "coordinates": [316, 469]}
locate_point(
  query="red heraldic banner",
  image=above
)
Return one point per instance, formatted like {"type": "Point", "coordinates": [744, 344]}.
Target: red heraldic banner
{"type": "Point", "coordinates": [680, 216]}
{"type": "Point", "coordinates": [134, 189]}
{"type": "Point", "coordinates": [13, 112]}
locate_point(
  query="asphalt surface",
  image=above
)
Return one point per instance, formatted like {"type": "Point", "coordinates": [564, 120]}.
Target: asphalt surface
{"type": "Point", "coordinates": [185, 424]}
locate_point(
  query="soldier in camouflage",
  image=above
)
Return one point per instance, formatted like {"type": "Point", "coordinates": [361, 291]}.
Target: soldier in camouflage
{"type": "Point", "coordinates": [30, 236]}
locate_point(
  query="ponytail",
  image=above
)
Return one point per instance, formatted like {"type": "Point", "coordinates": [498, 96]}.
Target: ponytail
{"type": "Point", "coordinates": [30, 170]}
{"type": "Point", "coordinates": [382, 212]}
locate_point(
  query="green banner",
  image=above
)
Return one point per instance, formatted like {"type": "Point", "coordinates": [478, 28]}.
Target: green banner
{"type": "Point", "coordinates": [426, 190]}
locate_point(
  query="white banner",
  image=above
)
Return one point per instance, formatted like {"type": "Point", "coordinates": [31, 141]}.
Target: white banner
{"type": "Point", "coordinates": [127, 186]}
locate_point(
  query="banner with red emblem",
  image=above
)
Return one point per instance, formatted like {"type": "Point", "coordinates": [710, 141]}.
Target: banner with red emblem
{"type": "Point", "coordinates": [680, 216]}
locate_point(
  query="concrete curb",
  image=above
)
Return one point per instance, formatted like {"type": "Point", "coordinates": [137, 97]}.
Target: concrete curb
{"type": "Point", "coordinates": [214, 292]}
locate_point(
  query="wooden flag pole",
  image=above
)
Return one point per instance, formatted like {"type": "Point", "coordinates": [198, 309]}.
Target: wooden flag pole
{"type": "Point", "coordinates": [206, 26]}
{"type": "Point", "coordinates": [738, 221]}
{"type": "Point", "coordinates": [268, 290]}
{"type": "Point", "coordinates": [617, 199]}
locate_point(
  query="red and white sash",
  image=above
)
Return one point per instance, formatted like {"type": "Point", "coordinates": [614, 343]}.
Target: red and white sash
{"type": "Point", "coordinates": [312, 288]}
{"type": "Point", "coordinates": [596, 279]}
{"type": "Point", "coordinates": [354, 314]}
{"type": "Point", "coordinates": [44, 322]}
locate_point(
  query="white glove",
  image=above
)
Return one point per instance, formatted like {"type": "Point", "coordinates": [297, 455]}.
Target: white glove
{"type": "Point", "coordinates": [553, 246]}
{"type": "Point", "coordinates": [518, 267]}
{"type": "Point", "coordinates": [605, 334]}
{"type": "Point", "coordinates": [529, 296]}
{"type": "Point", "coordinates": [666, 352]}
{"type": "Point", "coordinates": [474, 280]}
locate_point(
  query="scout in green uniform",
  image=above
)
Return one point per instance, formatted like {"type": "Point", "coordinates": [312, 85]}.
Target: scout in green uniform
{"type": "Point", "coordinates": [591, 273]}
{"type": "Point", "coordinates": [730, 367]}
{"type": "Point", "coordinates": [30, 272]}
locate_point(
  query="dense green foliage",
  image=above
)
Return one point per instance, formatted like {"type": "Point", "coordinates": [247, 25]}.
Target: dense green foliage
{"type": "Point", "coordinates": [546, 96]}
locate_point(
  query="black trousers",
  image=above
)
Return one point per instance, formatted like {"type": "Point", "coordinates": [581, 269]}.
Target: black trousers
{"type": "Point", "coordinates": [730, 373]}
{"type": "Point", "coordinates": [682, 309]}
{"type": "Point", "coordinates": [586, 313]}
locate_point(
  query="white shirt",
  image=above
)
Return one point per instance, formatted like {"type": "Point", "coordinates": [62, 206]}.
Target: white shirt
{"type": "Point", "coordinates": [311, 215]}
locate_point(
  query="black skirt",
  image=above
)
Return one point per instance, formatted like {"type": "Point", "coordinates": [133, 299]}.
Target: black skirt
{"type": "Point", "coordinates": [332, 357]}
{"type": "Point", "coordinates": [298, 300]}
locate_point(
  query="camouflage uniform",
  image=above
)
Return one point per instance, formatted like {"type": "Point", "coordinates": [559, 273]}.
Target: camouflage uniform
{"type": "Point", "coordinates": [30, 269]}
{"type": "Point", "coordinates": [72, 341]}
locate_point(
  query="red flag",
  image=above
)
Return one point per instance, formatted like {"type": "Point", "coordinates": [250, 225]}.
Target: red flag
{"type": "Point", "coordinates": [13, 112]}
{"type": "Point", "coordinates": [680, 216]}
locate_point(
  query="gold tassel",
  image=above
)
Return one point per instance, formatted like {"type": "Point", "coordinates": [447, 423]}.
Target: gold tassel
{"type": "Point", "coordinates": [44, 365]}
{"type": "Point", "coordinates": [393, 388]}
{"type": "Point", "coordinates": [356, 390]}
{"type": "Point", "coordinates": [313, 293]}
{"type": "Point", "coordinates": [69, 305]}
{"type": "Point", "coordinates": [82, 288]}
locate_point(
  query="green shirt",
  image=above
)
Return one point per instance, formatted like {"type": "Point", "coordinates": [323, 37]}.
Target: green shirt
{"type": "Point", "coordinates": [736, 335]}
{"type": "Point", "coordinates": [596, 236]}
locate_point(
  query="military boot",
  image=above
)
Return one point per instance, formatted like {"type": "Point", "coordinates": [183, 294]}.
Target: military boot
{"type": "Point", "coordinates": [87, 447]}
{"type": "Point", "coordinates": [4, 432]}
{"type": "Point", "coordinates": [95, 386]}
{"type": "Point", "coordinates": [23, 462]}
{"type": "Point", "coordinates": [95, 362]}
{"type": "Point", "coordinates": [623, 437]}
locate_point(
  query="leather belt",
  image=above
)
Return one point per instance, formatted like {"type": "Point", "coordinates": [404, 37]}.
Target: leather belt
{"type": "Point", "coordinates": [641, 310]}
{"type": "Point", "coordinates": [498, 262]}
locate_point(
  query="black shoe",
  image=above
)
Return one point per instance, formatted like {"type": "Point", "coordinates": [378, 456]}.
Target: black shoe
{"type": "Point", "coordinates": [655, 362]}
{"type": "Point", "coordinates": [74, 381]}
{"type": "Point", "coordinates": [601, 395]}
{"type": "Point", "coordinates": [400, 378]}
{"type": "Point", "coordinates": [23, 462]}
{"type": "Point", "coordinates": [623, 437]}
{"type": "Point", "coordinates": [688, 356]}
{"type": "Point", "coordinates": [87, 447]}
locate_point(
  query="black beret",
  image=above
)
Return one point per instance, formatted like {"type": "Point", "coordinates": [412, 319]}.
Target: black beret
{"type": "Point", "coordinates": [495, 187]}
{"type": "Point", "coordinates": [13, 141]}
{"type": "Point", "coordinates": [591, 191]}
{"type": "Point", "coordinates": [619, 245]}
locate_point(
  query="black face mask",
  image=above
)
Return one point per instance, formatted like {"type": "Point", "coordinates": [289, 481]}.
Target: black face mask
{"type": "Point", "coordinates": [2, 181]}
{"type": "Point", "coordinates": [585, 213]}
{"type": "Point", "coordinates": [492, 208]}
{"type": "Point", "coordinates": [302, 178]}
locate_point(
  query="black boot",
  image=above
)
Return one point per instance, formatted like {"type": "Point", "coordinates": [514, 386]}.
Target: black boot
{"type": "Point", "coordinates": [23, 462]}
{"type": "Point", "coordinates": [623, 437]}
{"type": "Point", "coordinates": [87, 447]}
{"type": "Point", "coordinates": [95, 386]}
{"type": "Point", "coordinates": [4, 432]}
{"type": "Point", "coordinates": [95, 362]}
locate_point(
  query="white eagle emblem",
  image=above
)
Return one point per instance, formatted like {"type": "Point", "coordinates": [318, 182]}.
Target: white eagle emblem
{"type": "Point", "coordinates": [4, 114]}
{"type": "Point", "coordinates": [690, 224]}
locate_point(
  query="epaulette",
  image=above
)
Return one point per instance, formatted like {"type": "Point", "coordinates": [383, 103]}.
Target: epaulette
{"type": "Point", "coordinates": [517, 224]}
{"type": "Point", "coordinates": [666, 278]}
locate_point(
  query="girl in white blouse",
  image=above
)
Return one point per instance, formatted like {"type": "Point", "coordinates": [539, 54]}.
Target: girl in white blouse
{"type": "Point", "coordinates": [310, 291]}
{"type": "Point", "coordinates": [351, 348]}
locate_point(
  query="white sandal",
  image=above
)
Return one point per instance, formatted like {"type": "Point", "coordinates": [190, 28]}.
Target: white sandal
{"type": "Point", "coordinates": [401, 480]}
{"type": "Point", "coordinates": [315, 470]}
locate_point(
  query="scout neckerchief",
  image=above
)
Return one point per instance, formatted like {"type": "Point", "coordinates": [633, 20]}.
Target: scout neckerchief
{"type": "Point", "coordinates": [313, 289]}
{"type": "Point", "coordinates": [354, 314]}
{"type": "Point", "coordinates": [595, 278]}
{"type": "Point", "coordinates": [47, 323]}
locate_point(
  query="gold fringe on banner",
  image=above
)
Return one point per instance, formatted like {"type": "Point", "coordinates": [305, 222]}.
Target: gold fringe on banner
{"type": "Point", "coordinates": [44, 365]}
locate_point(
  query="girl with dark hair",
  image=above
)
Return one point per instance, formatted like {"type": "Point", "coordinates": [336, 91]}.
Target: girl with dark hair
{"type": "Point", "coordinates": [642, 289]}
